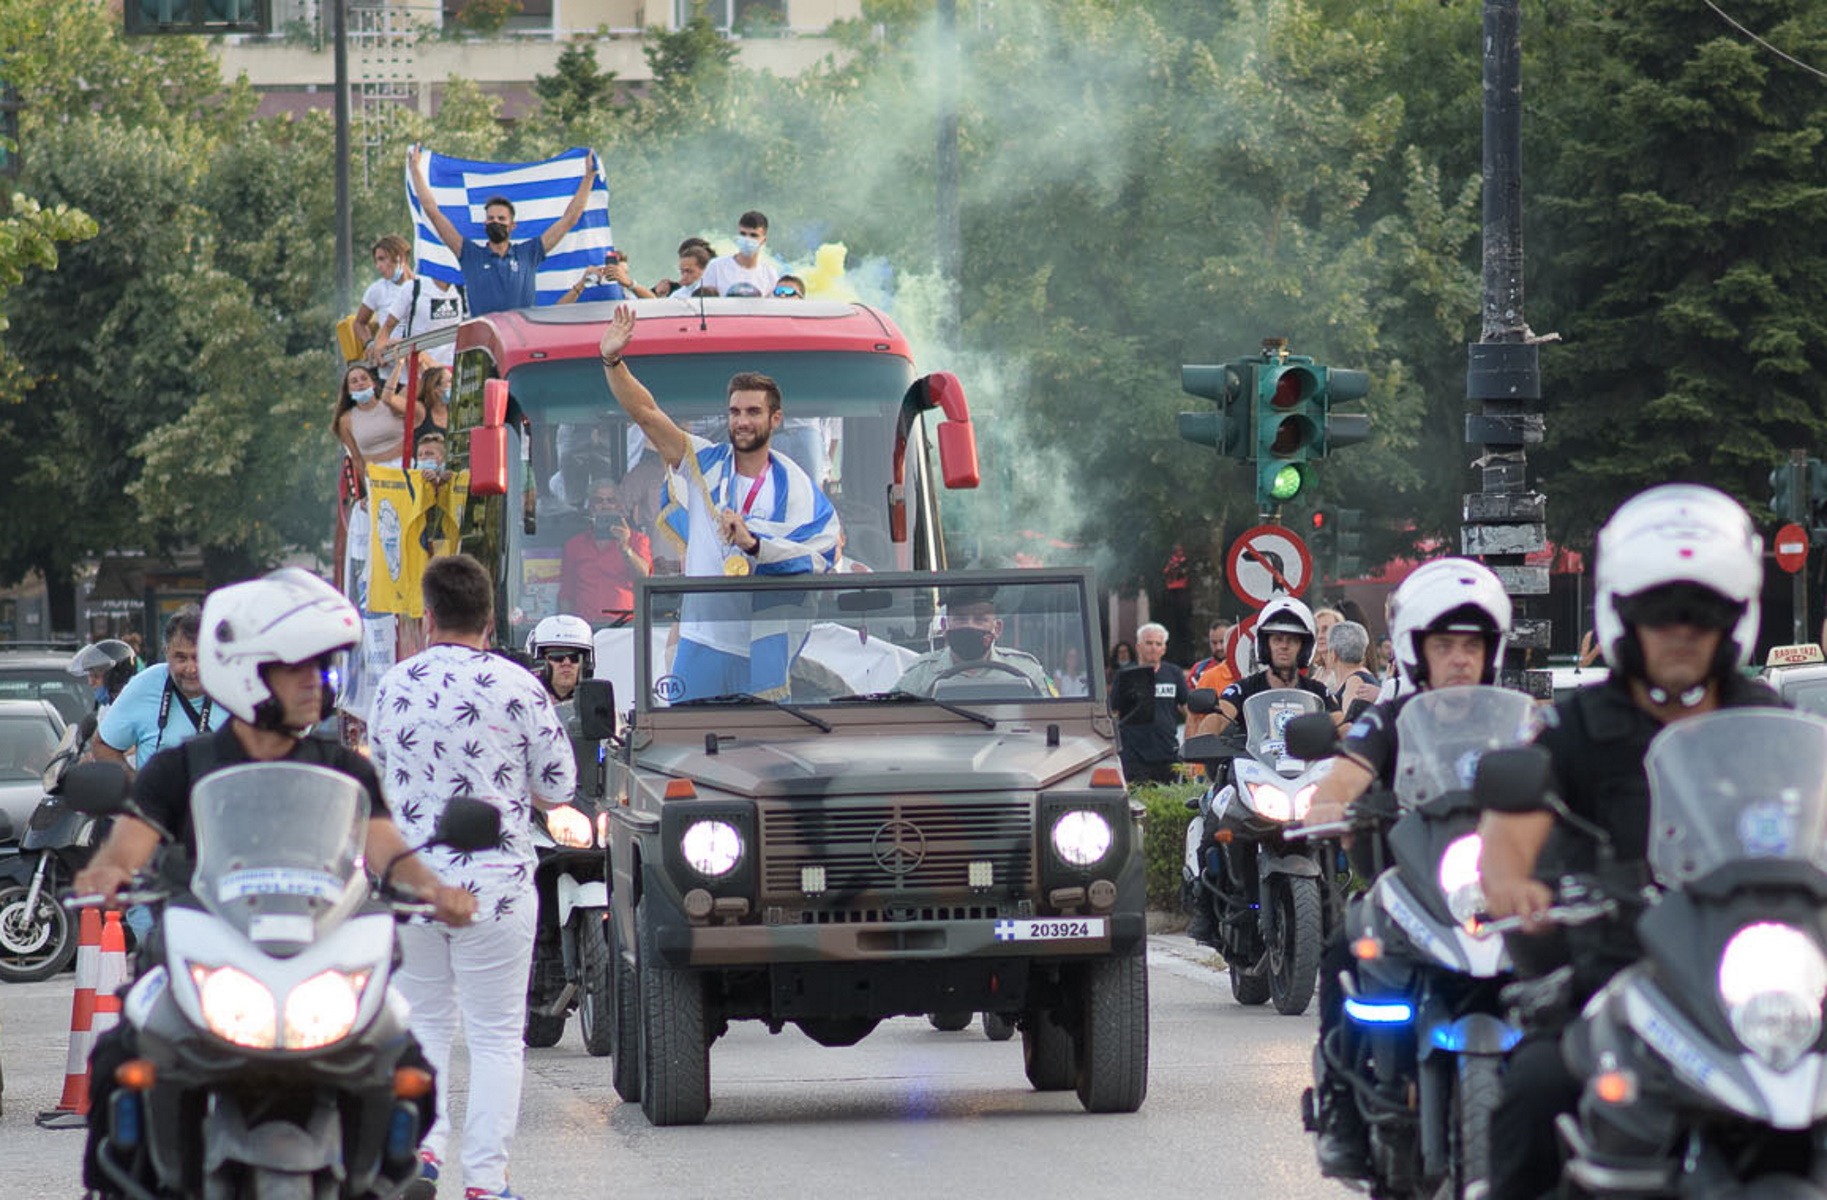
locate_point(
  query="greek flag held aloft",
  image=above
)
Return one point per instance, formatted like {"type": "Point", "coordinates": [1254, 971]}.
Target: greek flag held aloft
{"type": "Point", "coordinates": [540, 192]}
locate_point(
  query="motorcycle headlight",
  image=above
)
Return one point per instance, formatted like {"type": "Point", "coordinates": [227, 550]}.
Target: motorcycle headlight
{"type": "Point", "coordinates": [1460, 879]}
{"type": "Point", "coordinates": [322, 1009]}
{"type": "Point", "coordinates": [1773, 978]}
{"type": "Point", "coordinates": [1271, 802]}
{"type": "Point", "coordinates": [237, 1007]}
{"type": "Point", "coordinates": [1081, 838]}
{"type": "Point", "coordinates": [713, 848]}
{"type": "Point", "coordinates": [568, 827]}
{"type": "Point", "coordinates": [1303, 800]}
{"type": "Point", "coordinates": [602, 829]}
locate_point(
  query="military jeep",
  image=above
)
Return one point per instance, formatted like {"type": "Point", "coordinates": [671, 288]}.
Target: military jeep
{"type": "Point", "coordinates": [795, 837]}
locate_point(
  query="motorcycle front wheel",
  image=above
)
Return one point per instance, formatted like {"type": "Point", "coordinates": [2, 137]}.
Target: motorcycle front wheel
{"type": "Point", "coordinates": [38, 944]}
{"type": "Point", "coordinates": [1294, 952]}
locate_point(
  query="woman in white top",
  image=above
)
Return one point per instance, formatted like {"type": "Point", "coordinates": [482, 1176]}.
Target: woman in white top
{"type": "Point", "coordinates": [369, 422]}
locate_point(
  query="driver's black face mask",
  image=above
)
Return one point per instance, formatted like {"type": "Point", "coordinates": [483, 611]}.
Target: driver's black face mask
{"type": "Point", "coordinates": [497, 231]}
{"type": "Point", "coordinates": [968, 643]}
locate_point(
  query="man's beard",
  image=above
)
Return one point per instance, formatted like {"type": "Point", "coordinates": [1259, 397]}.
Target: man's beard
{"type": "Point", "coordinates": [757, 441]}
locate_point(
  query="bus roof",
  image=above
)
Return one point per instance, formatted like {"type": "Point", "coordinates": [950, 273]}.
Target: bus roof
{"type": "Point", "coordinates": [729, 325]}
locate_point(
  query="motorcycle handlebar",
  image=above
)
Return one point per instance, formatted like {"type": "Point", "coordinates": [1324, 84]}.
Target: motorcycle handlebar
{"type": "Point", "coordinates": [1555, 914]}
{"type": "Point", "coordinates": [126, 898]}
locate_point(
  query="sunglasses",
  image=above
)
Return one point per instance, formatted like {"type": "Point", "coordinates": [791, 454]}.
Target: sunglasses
{"type": "Point", "coordinates": [567, 657]}
{"type": "Point", "coordinates": [787, 292]}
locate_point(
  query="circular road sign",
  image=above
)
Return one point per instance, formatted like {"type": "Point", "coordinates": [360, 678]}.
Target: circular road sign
{"type": "Point", "coordinates": [1791, 547]}
{"type": "Point", "coordinates": [1237, 644]}
{"type": "Point", "coordinates": [1266, 562]}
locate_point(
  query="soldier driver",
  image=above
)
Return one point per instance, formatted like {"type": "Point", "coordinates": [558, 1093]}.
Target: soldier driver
{"type": "Point", "coordinates": [971, 630]}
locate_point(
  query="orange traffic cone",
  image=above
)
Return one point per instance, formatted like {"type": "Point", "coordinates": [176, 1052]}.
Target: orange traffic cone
{"type": "Point", "coordinates": [72, 1110]}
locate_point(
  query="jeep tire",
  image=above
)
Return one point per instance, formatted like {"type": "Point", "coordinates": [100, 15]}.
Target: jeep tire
{"type": "Point", "coordinates": [624, 1019]}
{"type": "Point", "coordinates": [675, 1042]}
{"type": "Point", "coordinates": [1113, 1035]}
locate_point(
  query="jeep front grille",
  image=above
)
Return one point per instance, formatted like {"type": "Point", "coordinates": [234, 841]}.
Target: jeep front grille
{"type": "Point", "coordinates": [893, 849]}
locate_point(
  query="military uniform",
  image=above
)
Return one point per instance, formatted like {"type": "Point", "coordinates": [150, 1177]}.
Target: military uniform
{"type": "Point", "coordinates": [920, 677]}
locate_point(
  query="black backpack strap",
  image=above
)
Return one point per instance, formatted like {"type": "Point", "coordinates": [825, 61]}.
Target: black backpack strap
{"type": "Point", "coordinates": [200, 758]}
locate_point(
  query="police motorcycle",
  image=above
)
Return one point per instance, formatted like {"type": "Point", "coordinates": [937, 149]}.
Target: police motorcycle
{"type": "Point", "coordinates": [571, 962]}
{"type": "Point", "coordinates": [1704, 1064]}
{"type": "Point", "coordinates": [271, 1044]}
{"type": "Point", "coordinates": [1425, 1032]}
{"type": "Point", "coordinates": [1266, 895]}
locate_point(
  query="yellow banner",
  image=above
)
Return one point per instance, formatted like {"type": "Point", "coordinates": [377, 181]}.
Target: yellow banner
{"type": "Point", "coordinates": [413, 517]}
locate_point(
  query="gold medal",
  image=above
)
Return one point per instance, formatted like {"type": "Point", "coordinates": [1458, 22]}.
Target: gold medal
{"type": "Point", "coordinates": [736, 564]}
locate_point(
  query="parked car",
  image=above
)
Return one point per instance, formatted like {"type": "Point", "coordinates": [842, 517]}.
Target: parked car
{"type": "Point", "coordinates": [41, 672]}
{"type": "Point", "coordinates": [29, 733]}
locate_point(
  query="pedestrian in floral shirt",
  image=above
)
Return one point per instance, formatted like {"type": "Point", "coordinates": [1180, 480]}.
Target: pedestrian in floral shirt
{"type": "Point", "coordinates": [455, 720]}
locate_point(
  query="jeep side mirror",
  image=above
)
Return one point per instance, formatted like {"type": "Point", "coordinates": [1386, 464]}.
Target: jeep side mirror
{"type": "Point", "coordinates": [467, 824]}
{"type": "Point", "coordinates": [1202, 701]}
{"type": "Point", "coordinates": [96, 789]}
{"type": "Point", "coordinates": [1513, 780]}
{"type": "Point", "coordinates": [1312, 737]}
{"type": "Point", "coordinates": [596, 709]}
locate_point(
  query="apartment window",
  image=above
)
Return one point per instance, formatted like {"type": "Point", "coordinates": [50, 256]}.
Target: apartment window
{"type": "Point", "coordinates": [747, 18]}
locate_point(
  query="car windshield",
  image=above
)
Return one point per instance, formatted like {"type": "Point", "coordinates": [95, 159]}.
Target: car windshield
{"type": "Point", "coordinates": [1746, 783]}
{"type": "Point", "coordinates": [1809, 696]}
{"type": "Point", "coordinates": [857, 639]}
{"type": "Point", "coordinates": [69, 695]}
{"type": "Point", "coordinates": [1443, 733]}
{"type": "Point", "coordinates": [26, 744]}
{"type": "Point", "coordinates": [279, 848]}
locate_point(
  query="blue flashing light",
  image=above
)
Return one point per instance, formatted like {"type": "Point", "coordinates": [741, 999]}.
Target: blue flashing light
{"type": "Point", "coordinates": [1379, 1012]}
{"type": "Point", "coordinates": [1452, 1037]}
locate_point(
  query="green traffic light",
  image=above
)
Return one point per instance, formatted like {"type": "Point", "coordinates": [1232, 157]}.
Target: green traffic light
{"type": "Point", "coordinates": [1287, 483]}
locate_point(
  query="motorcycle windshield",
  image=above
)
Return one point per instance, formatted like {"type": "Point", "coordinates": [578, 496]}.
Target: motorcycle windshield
{"type": "Point", "coordinates": [279, 848]}
{"type": "Point", "coordinates": [1266, 716]}
{"type": "Point", "coordinates": [1745, 783]}
{"type": "Point", "coordinates": [1443, 733]}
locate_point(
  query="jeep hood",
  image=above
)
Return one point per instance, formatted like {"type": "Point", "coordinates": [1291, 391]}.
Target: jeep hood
{"type": "Point", "coordinates": [836, 765]}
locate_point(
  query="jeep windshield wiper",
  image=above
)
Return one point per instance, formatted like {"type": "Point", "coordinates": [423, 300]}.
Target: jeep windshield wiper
{"type": "Point", "coordinates": [823, 725]}
{"type": "Point", "coordinates": [901, 696]}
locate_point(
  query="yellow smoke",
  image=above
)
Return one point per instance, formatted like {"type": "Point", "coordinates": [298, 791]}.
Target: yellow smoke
{"type": "Point", "coordinates": [824, 279]}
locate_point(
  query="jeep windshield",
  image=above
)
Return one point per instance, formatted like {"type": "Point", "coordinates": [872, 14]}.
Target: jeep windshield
{"type": "Point", "coordinates": [956, 639]}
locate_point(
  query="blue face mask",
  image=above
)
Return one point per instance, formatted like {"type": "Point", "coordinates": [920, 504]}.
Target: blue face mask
{"type": "Point", "coordinates": [399, 273]}
{"type": "Point", "coordinates": [748, 245]}
{"type": "Point", "coordinates": [101, 693]}
{"type": "Point", "coordinates": [365, 396]}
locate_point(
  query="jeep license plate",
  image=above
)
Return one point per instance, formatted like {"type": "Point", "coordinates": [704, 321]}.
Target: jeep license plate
{"type": "Point", "coordinates": [1048, 929]}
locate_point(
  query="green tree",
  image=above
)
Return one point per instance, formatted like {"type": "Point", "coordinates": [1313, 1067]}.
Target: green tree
{"type": "Point", "coordinates": [693, 56]}
{"type": "Point", "coordinates": [577, 89]}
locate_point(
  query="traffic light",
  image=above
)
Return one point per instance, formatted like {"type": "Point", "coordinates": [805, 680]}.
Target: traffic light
{"type": "Point", "coordinates": [1227, 428]}
{"type": "Point", "coordinates": [1348, 542]}
{"type": "Point", "coordinates": [1788, 498]}
{"type": "Point", "coordinates": [1290, 423]}
{"type": "Point", "coordinates": [147, 17]}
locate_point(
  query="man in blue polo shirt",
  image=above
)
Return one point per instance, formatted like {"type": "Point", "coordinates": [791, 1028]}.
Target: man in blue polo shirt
{"type": "Point", "coordinates": [499, 274]}
{"type": "Point", "coordinates": [162, 705]}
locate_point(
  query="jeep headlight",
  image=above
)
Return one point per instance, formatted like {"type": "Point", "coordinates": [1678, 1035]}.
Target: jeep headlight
{"type": "Point", "coordinates": [322, 1009]}
{"type": "Point", "coordinates": [1773, 978]}
{"type": "Point", "coordinates": [237, 1007]}
{"type": "Point", "coordinates": [1080, 837]}
{"type": "Point", "coordinates": [1461, 881]}
{"type": "Point", "coordinates": [712, 848]}
{"type": "Point", "coordinates": [568, 827]}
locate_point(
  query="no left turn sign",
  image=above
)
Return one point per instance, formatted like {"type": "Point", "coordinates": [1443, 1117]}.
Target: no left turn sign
{"type": "Point", "coordinates": [1266, 562]}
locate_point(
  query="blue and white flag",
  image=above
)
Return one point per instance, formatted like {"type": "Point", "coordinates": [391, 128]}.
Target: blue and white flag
{"type": "Point", "coordinates": [540, 192]}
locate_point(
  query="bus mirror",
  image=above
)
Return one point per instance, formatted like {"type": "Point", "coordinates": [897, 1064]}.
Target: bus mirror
{"type": "Point", "coordinates": [958, 454]}
{"type": "Point", "coordinates": [494, 404]}
{"type": "Point", "coordinates": [488, 460]}
{"type": "Point", "coordinates": [945, 393]}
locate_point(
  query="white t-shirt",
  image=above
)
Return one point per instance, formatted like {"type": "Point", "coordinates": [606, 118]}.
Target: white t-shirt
{"type": "Point", "coordinates": [725, 273]}
{"type": "Point", "coordinates": [719, 622]}
{"type": "Point", "coordinates": [439, 305]}
{"type": "Point", "coordinates": [380, 297]}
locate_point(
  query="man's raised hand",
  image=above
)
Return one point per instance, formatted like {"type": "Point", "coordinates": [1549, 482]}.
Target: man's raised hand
{"type": "Point", "coordinates": [619, 334]}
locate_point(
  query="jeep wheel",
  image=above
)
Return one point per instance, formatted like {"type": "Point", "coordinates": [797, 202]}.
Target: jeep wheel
{"type": "Point", "coordinates": [675, 1045]}
{"type": "Point", "coordinates": [624, 1019]}
{"type": "Point", "coordinates": [1047, 1052]}
{"type": "Point", "coordinates": [949, 1022]}
{"type": "Point", "coordinates": [1113, 1040]}
{"type": "Point", "coordinates": [594, 1003]}
{"type": "Point", "coordinates": [997, 1027]}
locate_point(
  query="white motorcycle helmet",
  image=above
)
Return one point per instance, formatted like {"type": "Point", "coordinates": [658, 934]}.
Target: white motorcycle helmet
{"type": "Point", "coordinates": [1679, 550]}
{"type": "Point", "coordinates": [1285, 614]}
{"type": "Point", "coordinates": [1448, 595]}
{"type": "Point", "coordinates": [567, 632]}
{"type": "Point", "coordinates": [288, 616]}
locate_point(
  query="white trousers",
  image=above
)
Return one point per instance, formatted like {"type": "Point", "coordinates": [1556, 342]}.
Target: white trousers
{"type": "Point", "coordinates": [478, 973]}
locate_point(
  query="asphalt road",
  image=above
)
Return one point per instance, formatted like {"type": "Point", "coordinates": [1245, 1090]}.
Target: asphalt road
{"type": "Point", "coordinates": [908, 1112]}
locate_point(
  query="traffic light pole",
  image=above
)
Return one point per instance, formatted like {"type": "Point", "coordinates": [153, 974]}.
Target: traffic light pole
{"type": "Point", "coordinates": [345, 224]}
{"type": "Point", "coordinates": [1798, 513]}
{"type": "Point", "coordinates": [1504, 521]}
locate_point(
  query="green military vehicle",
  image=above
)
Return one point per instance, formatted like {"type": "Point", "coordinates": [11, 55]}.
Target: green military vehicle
{"type": "Point", "coordinates": [841, 798]}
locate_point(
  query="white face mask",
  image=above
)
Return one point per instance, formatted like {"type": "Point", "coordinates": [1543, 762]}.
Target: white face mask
{"type": "Point", "coordinates": [748, 245]}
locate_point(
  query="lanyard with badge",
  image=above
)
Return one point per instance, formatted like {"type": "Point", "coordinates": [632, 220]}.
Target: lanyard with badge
{"type": "Point", "coordinates": [197, 722]}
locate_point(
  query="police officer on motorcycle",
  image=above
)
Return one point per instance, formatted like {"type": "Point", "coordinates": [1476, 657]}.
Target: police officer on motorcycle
{"type": "Point", "coordinates": [1448, 623]}
{"type": "Point", "coordinates": [1285, 636]}
{"type": "Point", "coordinates": [564, 652]}
{"type": "Point", "coordinates": [1679, 572]}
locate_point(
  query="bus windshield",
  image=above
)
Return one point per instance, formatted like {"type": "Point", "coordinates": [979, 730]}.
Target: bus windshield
{"type": "Point", "coordinates": [584, 469]}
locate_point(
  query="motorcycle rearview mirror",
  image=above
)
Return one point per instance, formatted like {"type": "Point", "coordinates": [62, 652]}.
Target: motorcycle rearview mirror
{"type": "Point", "coordinates": [1209, 747]}
{"type": "Point", "coordinates": [596, 709]}
{"type": "Point", "coordinates": [1312, 737]}
{"type": "Point", "coordinates": [97, 789]}
{"type": "Point", "coordinates": [1202, 701]}
{"type": "Point", "coordinates": [1514, 780]}
{"type": "Point", "coordinates": [468, 825]}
